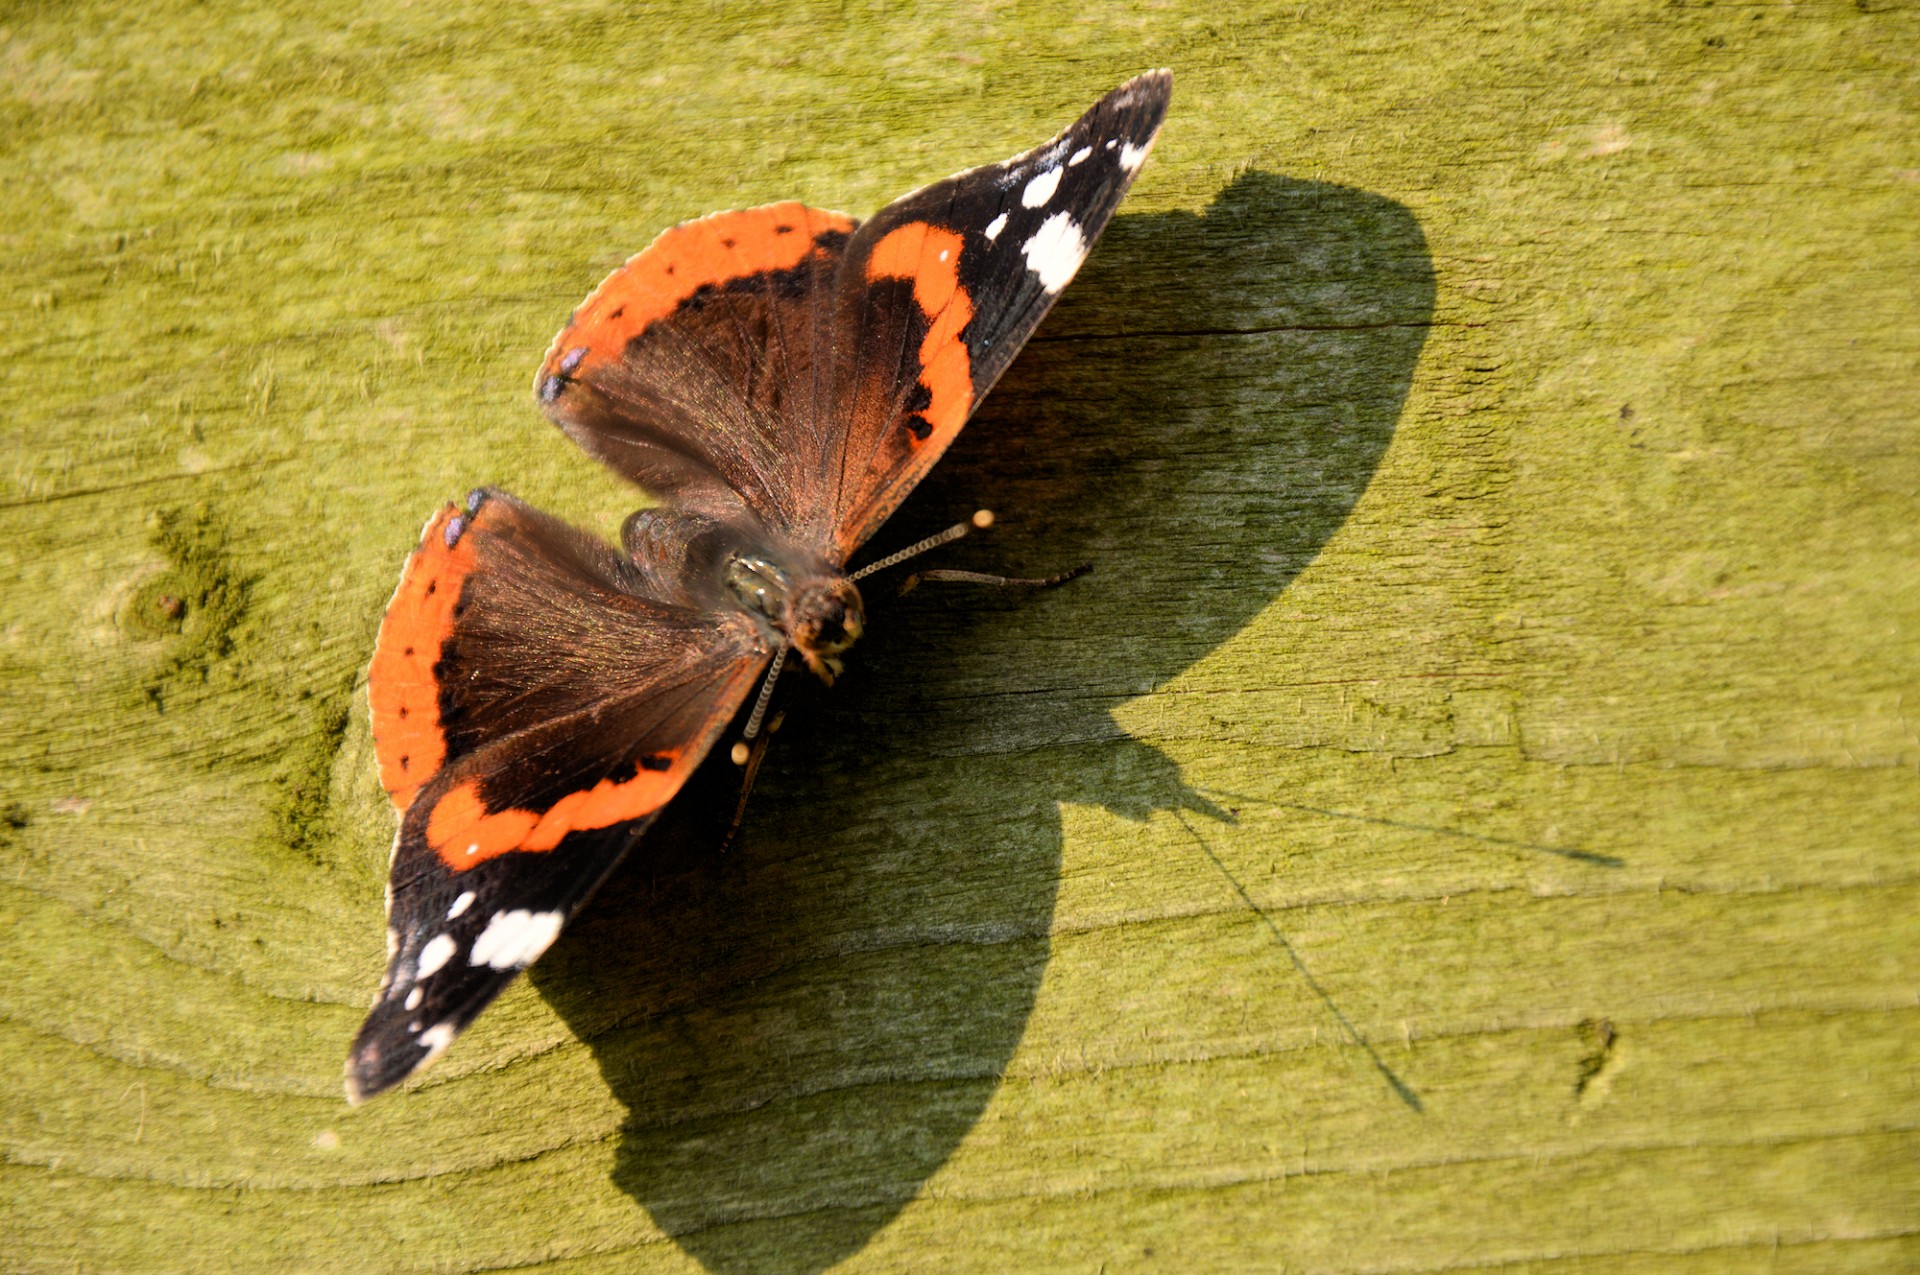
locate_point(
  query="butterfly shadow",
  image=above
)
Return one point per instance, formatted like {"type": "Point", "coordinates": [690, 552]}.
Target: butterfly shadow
{"type": "Point", "coordinates": [804, 1028]}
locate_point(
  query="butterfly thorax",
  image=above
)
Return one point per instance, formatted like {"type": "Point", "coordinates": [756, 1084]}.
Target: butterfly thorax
{"type": "Point", "coordinates": [817, 612]}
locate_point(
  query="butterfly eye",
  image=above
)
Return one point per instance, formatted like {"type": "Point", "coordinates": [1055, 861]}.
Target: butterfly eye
{"type": "Point", "coordinates": [760, 585]}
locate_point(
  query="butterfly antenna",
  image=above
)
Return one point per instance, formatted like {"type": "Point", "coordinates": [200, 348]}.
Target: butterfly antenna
{"type": "Point", "coordinates": [982, 519]}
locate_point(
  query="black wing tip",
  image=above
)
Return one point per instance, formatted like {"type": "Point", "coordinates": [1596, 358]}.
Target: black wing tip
{"type": "Point", "coordinates": [1153, 89]}
{"type": "Point", "coordinates": [394, 1043]}
{"type": "Point", "coordinates": [369, 1075]}
{"type": "Point", "coordinates": [1132, 113]}
{"type": "Point", "coordinates": [359, 1086]}
{"type": "Point", "coordinates": [386, 1052]}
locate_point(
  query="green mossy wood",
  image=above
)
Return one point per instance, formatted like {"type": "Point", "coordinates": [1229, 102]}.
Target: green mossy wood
{"type": "Point", "coordinates": [1468, 818]}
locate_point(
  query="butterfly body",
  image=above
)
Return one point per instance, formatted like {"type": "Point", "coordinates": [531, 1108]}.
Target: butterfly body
{"type": "Point", "coordinates": [781, 377]}
{"type": "Point", "coordinates": [818, 611]}
{"type": "Point", "coordinates": [798, 599]}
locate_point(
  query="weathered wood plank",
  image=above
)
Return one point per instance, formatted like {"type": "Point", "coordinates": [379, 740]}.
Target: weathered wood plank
{"type": "Point", "coordinates": [1465, 819]}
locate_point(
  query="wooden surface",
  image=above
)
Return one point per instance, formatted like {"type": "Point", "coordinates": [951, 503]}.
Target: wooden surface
{"type": "Point", "coordinates": [1467, 819]}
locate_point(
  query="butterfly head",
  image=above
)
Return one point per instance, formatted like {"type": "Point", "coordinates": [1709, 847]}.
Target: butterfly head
{"type": "Point", "coordinates": [824, 618]}
{"type": "Point", "coordinates": [817, 611]}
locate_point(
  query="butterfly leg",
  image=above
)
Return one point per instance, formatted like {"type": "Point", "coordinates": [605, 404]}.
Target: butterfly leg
{"type": "Point", "coordinates": [756, 752]}
{"type": "Point", "coordinates": [945, 575]}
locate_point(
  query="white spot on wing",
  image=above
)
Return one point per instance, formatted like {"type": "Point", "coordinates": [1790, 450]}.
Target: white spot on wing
{"type": "Point", "coordinates": [435, 954]}
{"type": "Point", "coordinates": [1055, 251]}
{"type": "Point", "coordinates": [1111, 143]}
{"type": "Point", "coordinates": [435, 1040]}
{"type": "Point", "coordinates": [1080, 155]}
{"type": "Point", "coordinates": [514, 940]}
{"type": "Point", "coordinates": [460, 905]}
{"type": "Point", "coordinates": [1131, 156]}
{"type": "Point", "coordinates": [413, 998]}
{"type": "Point", "coordinates": [995, 226]}
{"type": "Point", "coordinates": [1040, 189]}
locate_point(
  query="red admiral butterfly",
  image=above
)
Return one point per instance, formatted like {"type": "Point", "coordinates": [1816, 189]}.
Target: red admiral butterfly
{"type": "Point", "coordinates": [781, 377]}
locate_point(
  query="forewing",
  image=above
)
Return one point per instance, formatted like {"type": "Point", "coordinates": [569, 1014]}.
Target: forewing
{"type": "Point", "coordinates": [697, 369]}
{"type": "Point", "coordinates": [938, 292]}
{"type": "Point", "coordinates": [457, 940]}
{"type": "Point", "coordinates": [535, 706]}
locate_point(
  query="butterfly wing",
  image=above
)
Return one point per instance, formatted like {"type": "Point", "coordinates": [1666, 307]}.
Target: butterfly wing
{"type": "Point", "coordinates": [699, 368]}
{"type": "Point", "coordinates": [939, 291]}
{"type": "Point", "coordinates": [537, 699]}
{"type": "Point", "coordinates": [791, 362]}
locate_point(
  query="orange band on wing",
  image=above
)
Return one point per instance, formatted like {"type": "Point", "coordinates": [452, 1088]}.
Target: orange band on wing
{"type": "Point", "coordinates": [659, 279]}
{"type": "Point", "coordinates": [463, 832]}
{"type": "Point", "coordinates": [930, 257]}
{"type": "Point", "coordinates": [401, 688]}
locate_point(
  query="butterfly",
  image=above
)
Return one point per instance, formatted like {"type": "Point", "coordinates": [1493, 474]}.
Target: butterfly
{"type": "Point", "coordinates": [780, 378]}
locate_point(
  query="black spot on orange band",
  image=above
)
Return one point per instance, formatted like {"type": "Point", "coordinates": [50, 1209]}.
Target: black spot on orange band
{"type": "Point", "coordinates": [707, 253]}
{"type": "Point", "coordinates": [403, 688]}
